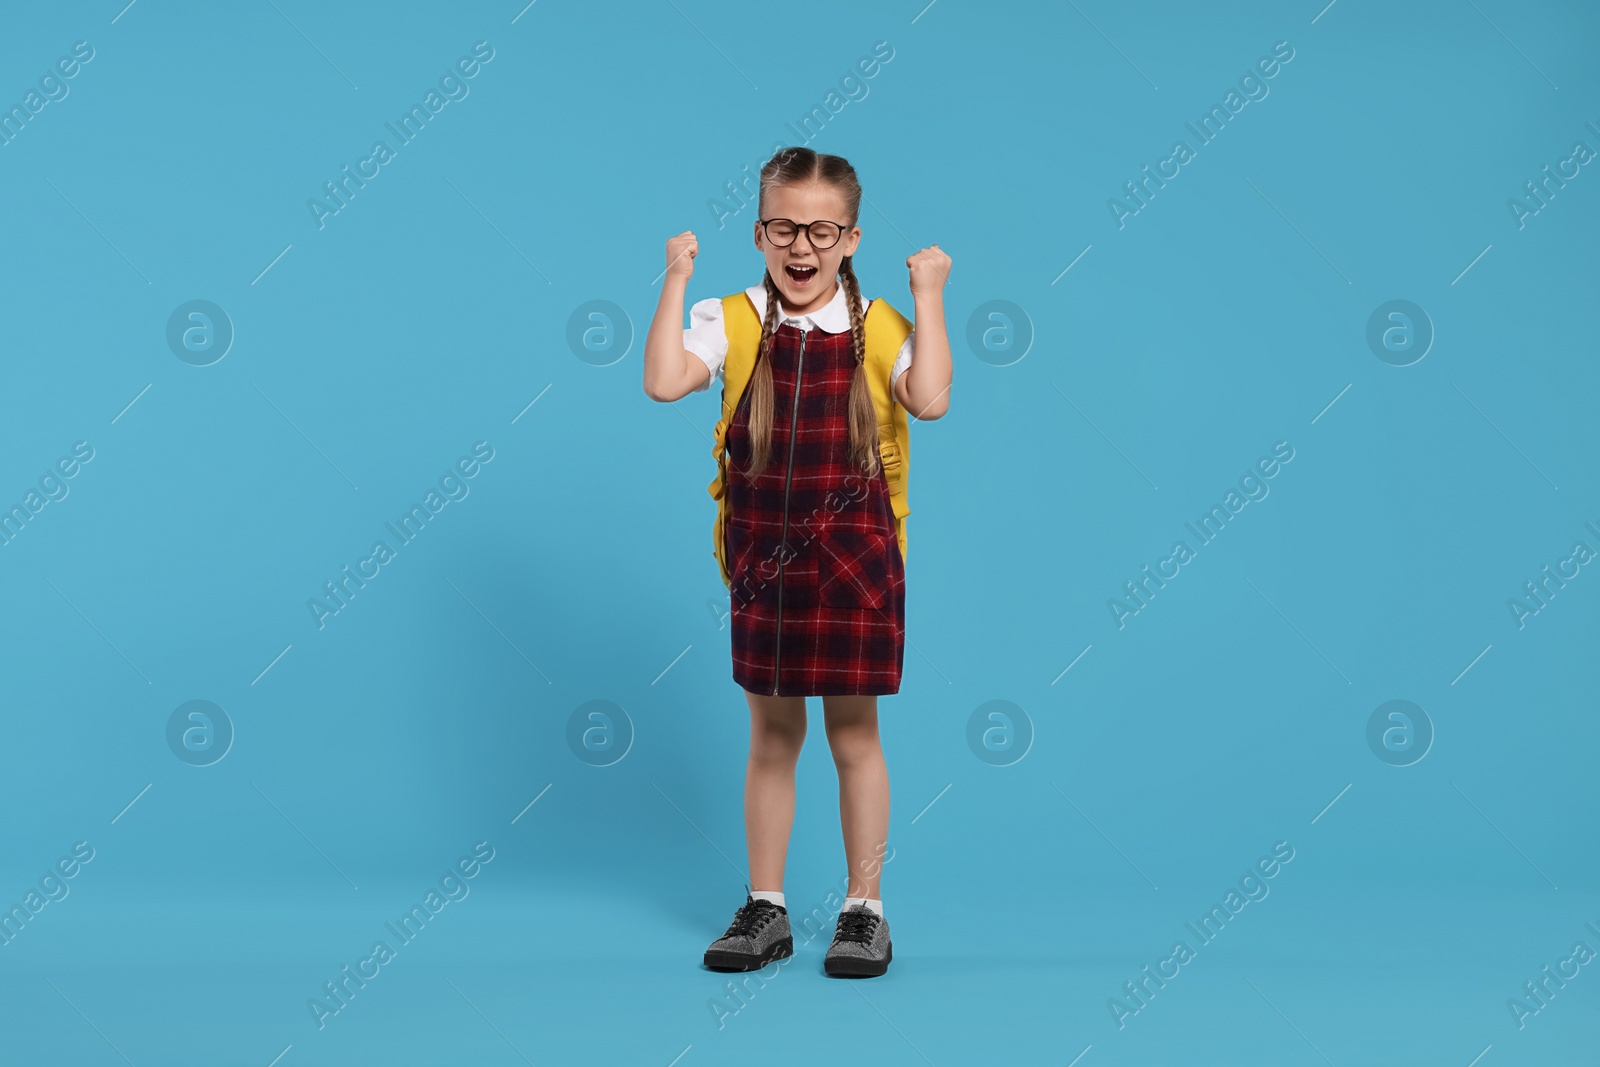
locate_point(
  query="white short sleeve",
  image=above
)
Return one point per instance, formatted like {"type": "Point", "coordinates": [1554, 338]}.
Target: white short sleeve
{"type": "Point", "coordinates": [708, 340]}
{"type": "Point", "coordinates": [903, 359]}
{"type": "Point", "coordinates": [706, 337]}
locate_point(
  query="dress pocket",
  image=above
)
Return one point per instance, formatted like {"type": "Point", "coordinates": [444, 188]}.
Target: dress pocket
{"type": "Point", "coordinates": [855, 571]}
{"type": "Point", "coordinates": [761, 569]}
{"type": "Point", "coordinates": [745, 586]}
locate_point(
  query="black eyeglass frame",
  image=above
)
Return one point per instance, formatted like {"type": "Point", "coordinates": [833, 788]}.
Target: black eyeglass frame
{"type": "Point", "coordinates": [806, 226]}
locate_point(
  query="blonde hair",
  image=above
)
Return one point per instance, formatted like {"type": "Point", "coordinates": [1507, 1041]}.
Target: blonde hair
{"type": "Point", "coordinates": [791, 166]}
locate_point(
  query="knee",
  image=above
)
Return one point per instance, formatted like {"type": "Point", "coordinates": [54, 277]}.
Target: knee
{"type": "Point", "coordinates": [854, 744]}
{"type": "Point", "coordinates": [775, 743]}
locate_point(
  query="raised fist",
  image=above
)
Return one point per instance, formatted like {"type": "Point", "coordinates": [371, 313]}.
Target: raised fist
{"type": "Point", "coordinates": [681, 251]}
{"type": "Point", "coordinates": [930, 268]}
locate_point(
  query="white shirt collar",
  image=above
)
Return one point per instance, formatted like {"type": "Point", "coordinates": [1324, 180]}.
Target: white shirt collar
{"type": "Point", "coordinates": [832, 317]}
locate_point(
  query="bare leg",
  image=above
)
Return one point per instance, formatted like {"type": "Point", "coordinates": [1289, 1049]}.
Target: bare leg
{"type": "Point", "coordinates": [852, 724]}
{"type": "Point", "coordinates": [777, 732]}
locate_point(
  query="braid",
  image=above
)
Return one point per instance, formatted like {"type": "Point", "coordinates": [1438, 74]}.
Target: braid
{"type": "Point", "coordinates": [760, 420]}
{"type": "Point", "coordinates": [852, 290]}
{"type": "Point", "coordinates": [862, 414]}
{"type": "Point", "coordinates": [788, 166]}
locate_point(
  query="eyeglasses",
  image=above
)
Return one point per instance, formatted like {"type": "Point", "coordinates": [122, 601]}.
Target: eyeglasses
{"type": "Point", "coordinates": [782, 232]}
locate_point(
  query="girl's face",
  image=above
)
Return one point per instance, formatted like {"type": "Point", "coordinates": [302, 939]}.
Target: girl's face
{"type": "Point", "coordinates": [806, 276]}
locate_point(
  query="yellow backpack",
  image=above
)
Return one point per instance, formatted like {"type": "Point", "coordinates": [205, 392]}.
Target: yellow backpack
{"type": "Point", "coordinates": [886, 331]}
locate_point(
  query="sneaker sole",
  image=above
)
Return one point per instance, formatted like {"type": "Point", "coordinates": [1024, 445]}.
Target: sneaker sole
{"type": "Point", "coordinates": [856, 967]}
{"type": "Point", "coordinates": [744, 961]}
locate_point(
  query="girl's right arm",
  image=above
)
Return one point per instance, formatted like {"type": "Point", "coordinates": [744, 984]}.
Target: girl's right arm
{"type": "Point", "coordinates": [671, 371]}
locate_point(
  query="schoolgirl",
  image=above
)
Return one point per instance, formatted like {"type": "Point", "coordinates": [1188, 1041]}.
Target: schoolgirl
{"type": "Point", "coordinates": [812, 547]}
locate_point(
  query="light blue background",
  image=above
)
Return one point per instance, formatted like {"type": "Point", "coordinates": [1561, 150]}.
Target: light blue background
{"type": "Point", "coordinates": [1228, 314]}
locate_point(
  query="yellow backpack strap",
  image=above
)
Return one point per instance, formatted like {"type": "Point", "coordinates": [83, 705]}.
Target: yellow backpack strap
{"type": "Point", "coordinates": [742, 325]}
{"type": "Point", "coordinates": [886, 331]}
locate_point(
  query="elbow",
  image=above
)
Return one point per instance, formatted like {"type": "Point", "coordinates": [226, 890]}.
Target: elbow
{"type": "Point", "coordinates": [923, 410]}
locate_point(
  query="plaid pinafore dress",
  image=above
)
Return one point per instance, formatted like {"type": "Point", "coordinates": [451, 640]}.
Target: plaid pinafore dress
{"type": "Point", "coordinates": [818, 585]}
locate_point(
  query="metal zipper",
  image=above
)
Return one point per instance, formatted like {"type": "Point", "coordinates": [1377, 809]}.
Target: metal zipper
{"type": "Point", "coordinates": [788, 474]}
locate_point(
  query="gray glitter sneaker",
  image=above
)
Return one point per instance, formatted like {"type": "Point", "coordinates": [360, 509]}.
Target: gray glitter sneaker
{"type": "Point", "coordinates": [861, 947]}
{"type": "Point", "coordinates": [758, 935]}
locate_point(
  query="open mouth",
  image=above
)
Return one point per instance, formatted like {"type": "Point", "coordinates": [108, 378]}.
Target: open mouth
{"type": "Point", "coordinates": [801, 275]}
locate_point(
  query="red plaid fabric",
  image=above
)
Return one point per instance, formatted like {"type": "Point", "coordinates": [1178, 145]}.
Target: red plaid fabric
{"type": "Point", "coordinates": [818, 604]}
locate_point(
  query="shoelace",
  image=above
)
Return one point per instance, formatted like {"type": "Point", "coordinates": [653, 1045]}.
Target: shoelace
{"type": "Point", "coordinates": [857, 924]}
{"type": "Point", "coordinates": [752, 916]}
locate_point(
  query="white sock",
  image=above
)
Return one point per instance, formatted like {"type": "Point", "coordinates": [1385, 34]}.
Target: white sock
{"type": "Point", "coordinates": [769, 894]}
{"type": "Point", "coordinates": [875, 905]}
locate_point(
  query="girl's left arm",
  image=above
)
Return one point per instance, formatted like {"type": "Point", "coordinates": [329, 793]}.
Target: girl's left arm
{"type": "Point", "coordinates": [923, 389]}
